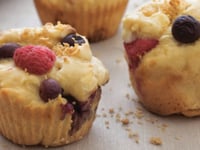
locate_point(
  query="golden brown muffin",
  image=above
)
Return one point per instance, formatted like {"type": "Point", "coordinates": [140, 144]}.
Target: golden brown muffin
{"type": "Point", "coordinates": [97, 20]}
{"type": "Point", "coordinates": [162, 50]}
{"type": "Point", "coordinates": [50, 85]}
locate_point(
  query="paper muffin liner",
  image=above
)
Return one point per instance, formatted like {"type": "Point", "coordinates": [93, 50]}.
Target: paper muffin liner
{"type": "Point", "coordinates": [32, 123]}
{"type": "Point", "coordinates": [96, 21]}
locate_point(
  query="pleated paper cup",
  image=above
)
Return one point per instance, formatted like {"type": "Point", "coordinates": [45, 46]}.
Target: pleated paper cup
{"type": "Point", "coordinates": [97, 20]}
{"type": "Point", "coordinates": [33, 123]}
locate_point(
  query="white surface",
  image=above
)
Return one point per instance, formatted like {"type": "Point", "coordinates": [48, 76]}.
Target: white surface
{"type": "Point", "coordinates": [180, 133]}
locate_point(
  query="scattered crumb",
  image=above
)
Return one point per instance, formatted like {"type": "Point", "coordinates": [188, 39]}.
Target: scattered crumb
{"type": "Point", "coordinates": [155, 141]}
{"type": "Point", "coordinates": [118, 61]}
{"type": "Point", "coordinates": [151, 120]}
{"type": "Point", "coordinates": [128, 117]}
{"type": "Point", "coordinates": [118, 117]}
{"type": "Point", "coordinates": [163, 127]}
{"type": "Point", "coordinates": [128, 96]}
{"type": "Point", "coordinates": [129, 113]}
{"type": "Point", "coordinates": [134, 136]}
{"type": "Point", "coordinates": [139, 114]}
{"type": "Point", "coordinates": [125, 121]}
{"type": "Point", "coordinates": [107, 123]}
{"type": "Point", "coordinates": [104, 115]}
{"type": "Point", "coordinates": [111, 111]}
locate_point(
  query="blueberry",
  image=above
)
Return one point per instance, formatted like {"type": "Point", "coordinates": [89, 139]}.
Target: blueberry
{"type": "Point", "coordinates": [186, 29]}
{"type": "Point", "coordinates": [71, 39]}
{"type": "Point", "coordinates": [49, 89]}
{"type": "Point", "coordinates": [79, 40]}
{"type": "Point", "coordinates": [7, 50]}
{"type": "Point", "coordinates": [66, 108]}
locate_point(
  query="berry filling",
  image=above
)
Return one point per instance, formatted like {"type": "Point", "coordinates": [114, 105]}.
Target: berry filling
{"type": "Point", "coordinates": [136, 49]}
{"type": "Point", "coordinates": [81, 111]}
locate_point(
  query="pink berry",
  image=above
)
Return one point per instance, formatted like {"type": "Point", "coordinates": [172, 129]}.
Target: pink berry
{"type": "Point", "coordinates": [136, 49]}
{"type": "Point", "coordinates": [34, 59]}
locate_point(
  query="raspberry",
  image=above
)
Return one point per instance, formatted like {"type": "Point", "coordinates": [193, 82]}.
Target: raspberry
{"type": "Point", "coordinates": [136, 49]}
{"type": "Point", "coordinates": [34, 59]}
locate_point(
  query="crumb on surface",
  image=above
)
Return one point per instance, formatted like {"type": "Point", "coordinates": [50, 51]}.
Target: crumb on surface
{"type": "Point", "coordinates": [134, 136]}
{"type": "Point", "coordinates": [139, 114]}
{"type": "Point", "coordinates": [125, 121]}
{"type": "Point", "coordinates": [128, 96]}
{"type": "Point", "coordinates": [104, 115]}
{"type": "Point", "coordinates": [118, 60]}
{"type": "Point", "coordinates": [107, 123]}
{"type": "Point", "coordinates": [111, 111]}
{"type": "Point", "coordinates": [155, 141]}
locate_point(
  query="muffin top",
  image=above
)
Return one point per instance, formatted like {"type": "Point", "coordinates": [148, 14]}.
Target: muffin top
{"type": "Point", "coordinates": [154, 21]}
{"type": "Point", "coordinates": [69, 62]}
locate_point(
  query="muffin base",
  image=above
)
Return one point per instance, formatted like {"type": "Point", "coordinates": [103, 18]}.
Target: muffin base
{"type": "Point", "coordinates": [33, 124]}
{"type": "Point", "coordinates": [165, 101]}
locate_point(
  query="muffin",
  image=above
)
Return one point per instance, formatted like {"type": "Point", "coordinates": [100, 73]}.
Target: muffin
{"type": "Point", "coordinates": [97, 20]}
{"type": "Point", "coordinates": [161, 41]}
{"type": "Point", "coordinates": [50, 85]}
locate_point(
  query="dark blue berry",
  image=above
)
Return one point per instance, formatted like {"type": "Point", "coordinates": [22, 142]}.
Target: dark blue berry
{"type": "Point", "coordinates": [7, 50]}
{"type": "Point", "coordinates": [71, 39]}
{"type": "Point", "coordinates": [49, 89]}
{"type": "Point", "coordinates": [186, 29]}
{"type": "Point", "coordinates": [79, 40]}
